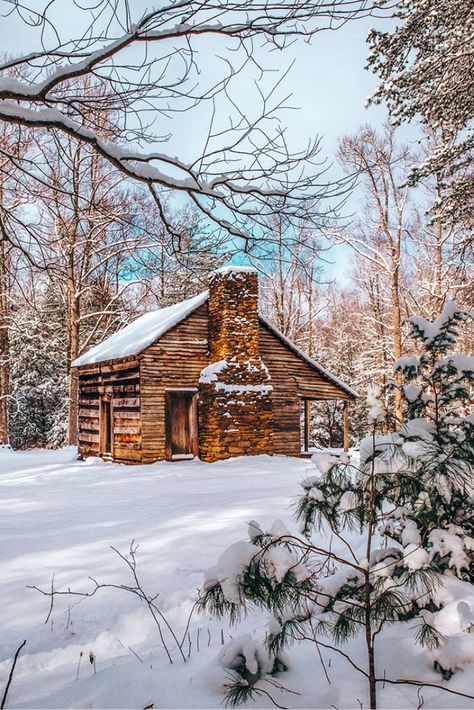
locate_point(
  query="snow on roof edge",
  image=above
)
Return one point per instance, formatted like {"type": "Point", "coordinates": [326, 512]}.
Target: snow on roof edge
{"type": "Point", "coordinates": [176, 313]}
{"type": "Point", "coordinates": [140, 333]}
{"type": "Point", "coordinates": [306, 357]}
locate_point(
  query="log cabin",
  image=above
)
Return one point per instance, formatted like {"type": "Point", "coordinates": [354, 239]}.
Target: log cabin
{"type": "Point", "coordinates": [208, 377]}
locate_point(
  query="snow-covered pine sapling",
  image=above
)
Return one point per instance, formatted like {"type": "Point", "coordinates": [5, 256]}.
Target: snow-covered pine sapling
{"type": "Point", "coordinates": [434, 447]}
{"type": "Point", "coordinates": [314, 589]}
{"type": "Point", "coordinates": [388, 584]}
{"type": "Point", "coordinates": [374, 537]}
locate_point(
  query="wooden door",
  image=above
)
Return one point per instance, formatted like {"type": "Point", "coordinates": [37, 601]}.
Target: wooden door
{"type": "Point", "coordinates": [181, 424]}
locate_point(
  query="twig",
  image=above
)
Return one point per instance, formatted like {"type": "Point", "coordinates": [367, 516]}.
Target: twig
{"type": "Point", "coordinates": [150, 602]}
{"type": "Point", "coordinates": [52, 601]}
{"type": "Point", "coordinates": [79, 665]}
{"type": "Point", "coordinates": [260, 691]}
{"type": "Point", "coordinates": [10, 676]}
{"type": "Point", "coordinates": [135, 654]}
{"type": "Point", "coordinates": [185, 633]}
{"type": "Point", "coordinates": [421, 684]}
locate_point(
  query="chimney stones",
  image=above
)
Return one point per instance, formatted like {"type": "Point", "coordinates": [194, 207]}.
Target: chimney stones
{"type": "Point", "coordinates": [235, 409]}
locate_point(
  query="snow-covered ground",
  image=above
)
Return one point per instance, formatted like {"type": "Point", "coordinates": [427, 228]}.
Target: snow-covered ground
{"type": "Point", "coordinates": [60, 517]}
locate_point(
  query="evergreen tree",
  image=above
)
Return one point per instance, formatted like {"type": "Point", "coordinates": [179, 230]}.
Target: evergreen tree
{"type": "Point", "coordinates": [436, 443]}
{"type": "Point", "coordinates": [407, 505]}
{"type": "Point", "coordinates": [39, 377]}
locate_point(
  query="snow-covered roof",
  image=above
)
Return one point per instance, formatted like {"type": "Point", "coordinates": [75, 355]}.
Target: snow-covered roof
{"type": "Point", "coordinates": [143, 331]}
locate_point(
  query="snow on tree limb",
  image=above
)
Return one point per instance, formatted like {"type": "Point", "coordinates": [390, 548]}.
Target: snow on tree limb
{"type": "Point", "coordinates": [425, 65]}
{"type": "Point", "coordinates": [245, 166]}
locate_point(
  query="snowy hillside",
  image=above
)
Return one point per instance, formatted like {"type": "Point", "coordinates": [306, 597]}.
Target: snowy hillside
{"type": "Point", "coordinates": [60, 517]}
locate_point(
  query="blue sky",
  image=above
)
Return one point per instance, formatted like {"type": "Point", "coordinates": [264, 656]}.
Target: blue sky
{"type": "Point", "coordinates": [328, 83]}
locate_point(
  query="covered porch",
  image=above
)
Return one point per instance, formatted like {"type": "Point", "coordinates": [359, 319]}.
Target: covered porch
{"type": "Point", "coordinates": [324, 424]}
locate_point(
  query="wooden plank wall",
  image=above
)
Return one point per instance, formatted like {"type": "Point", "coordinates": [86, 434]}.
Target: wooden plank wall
{"type": "Point", "coordinates": [138, 388]}
{"type": "Point", "coordinates": [292, 380]}
{"type": "Point", "coordinates": [121, 380]}
{"type": "Point", "coordinates": [174, 361]}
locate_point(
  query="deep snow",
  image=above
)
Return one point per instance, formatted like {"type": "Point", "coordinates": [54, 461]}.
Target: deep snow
{"type": "Point", "coordinates": [60, 516]}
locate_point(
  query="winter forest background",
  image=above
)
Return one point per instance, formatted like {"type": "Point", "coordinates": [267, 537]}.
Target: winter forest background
{"type": "Point", "coordinates": [85, 248]}
{"type": "Point", "coordinates": [142, 147]}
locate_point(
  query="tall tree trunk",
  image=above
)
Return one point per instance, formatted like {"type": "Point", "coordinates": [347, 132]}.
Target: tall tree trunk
{"type": "Point", "coordinates": [397, 341]}
{"type": "Point", "coordinates": [381, 359]}
{"type": "Point", "coordinates": [162, 268]}
{"type": "Point", "coordinates": [73, 348]}
{"type": "Point", "coordinates": [310, 316]}
{"type": "Point", "coordinates": [369, 635]}
{"type": "Point", "coordinates": [4, 345]}
{"type": "Point", "coordinates": [438, 270]}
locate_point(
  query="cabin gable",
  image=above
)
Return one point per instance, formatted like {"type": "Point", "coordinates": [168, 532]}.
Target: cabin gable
{"type": "Point", "coordinates": [293, 380]}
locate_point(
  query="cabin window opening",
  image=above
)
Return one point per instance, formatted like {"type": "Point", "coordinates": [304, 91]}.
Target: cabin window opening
{"type": "Point", "coordinates": [106, 427]}
{"type": "Point", "coordinates": [322, 424]}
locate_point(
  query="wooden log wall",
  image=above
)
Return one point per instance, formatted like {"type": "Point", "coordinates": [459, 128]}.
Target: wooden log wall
{"type": "Point", "coordinates": [137, 387]}
{"type": "Point", "coordinates": [121, 381]}
{"type": "Point", "coordinates": [174, 361]}
{"type": "Point", "coordinates": [293, 379]}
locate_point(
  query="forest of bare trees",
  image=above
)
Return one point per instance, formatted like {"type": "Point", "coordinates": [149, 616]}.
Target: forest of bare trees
{"type": "Point", "coordinates": [84, 251]}
{"type": "Point", "coordinates": [96, 226]}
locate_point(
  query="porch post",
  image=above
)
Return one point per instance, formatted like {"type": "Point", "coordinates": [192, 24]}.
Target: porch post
{"type": "Point", "coordinates": [345, 421]}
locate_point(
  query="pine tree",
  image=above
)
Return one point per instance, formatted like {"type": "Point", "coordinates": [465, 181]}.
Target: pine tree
{"type": "Point", "coordinates": [407, 504]}
{"type": "Point", "coordinates": [436, 443]}
{"type": "Point", "coordinates": [39, 376]}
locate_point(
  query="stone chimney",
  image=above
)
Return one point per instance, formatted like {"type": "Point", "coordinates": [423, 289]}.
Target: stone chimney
{"type": "Point", "coordinates": [235, 409]}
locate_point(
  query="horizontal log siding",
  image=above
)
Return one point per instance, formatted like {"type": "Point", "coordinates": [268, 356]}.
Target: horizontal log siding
{"type": "Point", "coordinates": [122, 380]}
{"type": "Point", "coordinates": [138, 387]}
{"type": "Point", "coordinates": [174, 361]}
{"type": "Point", "coordinates": [292, 380]}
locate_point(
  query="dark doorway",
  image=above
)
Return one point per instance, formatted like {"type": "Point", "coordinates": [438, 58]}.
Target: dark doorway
{"type": "Point", "coordinates": [106, 427]}
{"type": "Point", "coordinates": [181, 424]}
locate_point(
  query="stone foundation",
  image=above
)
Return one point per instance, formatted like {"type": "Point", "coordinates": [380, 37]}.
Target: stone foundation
{"type": "Point", "coordinates": [235, 407]}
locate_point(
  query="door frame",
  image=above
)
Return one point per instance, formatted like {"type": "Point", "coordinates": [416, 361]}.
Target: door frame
{"type": "Point", "coordinates": [106, 402]}
{"type": "Point", "coordinates": [193, 392]}
{"type": "Point", "coordinates": [306, 428]}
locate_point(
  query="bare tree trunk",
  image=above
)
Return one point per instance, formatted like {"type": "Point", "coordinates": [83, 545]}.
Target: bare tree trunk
{"type": "Point", "coordinates": [4, 346]}
{"type": "Point", "coordinates": [73, 314]}
{"type": "Point", "coordinates": [310, 315]}
{"type": "Point", "coordinates": [397, 342]}
{"type": "Point", "coordinates": [162, 267]}
{"type": "Point", "coordinates": [438, 269]}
